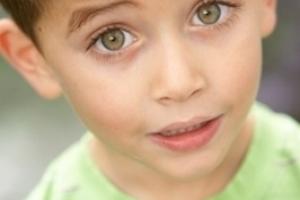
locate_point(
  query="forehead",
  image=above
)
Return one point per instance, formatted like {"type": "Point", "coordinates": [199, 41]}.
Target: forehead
{"type": "Point", "coordinates": [70, 5]}
{"type": "Point", "coordinates": [71, 12]}
{"type": "Point", "coordinates": [64, 7]}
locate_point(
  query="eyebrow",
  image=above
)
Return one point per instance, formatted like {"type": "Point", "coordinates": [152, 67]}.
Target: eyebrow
{"type": "Point", "coordinates": [83, 15]}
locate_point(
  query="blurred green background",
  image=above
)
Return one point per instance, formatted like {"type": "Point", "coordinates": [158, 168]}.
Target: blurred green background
{"type": "Point", "coordinates": [33, 131]}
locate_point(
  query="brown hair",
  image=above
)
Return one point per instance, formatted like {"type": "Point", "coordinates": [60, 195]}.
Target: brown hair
{"type": "Point", "coordinates": [25, 13]}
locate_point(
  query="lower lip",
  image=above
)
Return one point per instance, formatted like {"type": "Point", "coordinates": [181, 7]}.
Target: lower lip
{"type": "Point", "coordinates": [189, 141]}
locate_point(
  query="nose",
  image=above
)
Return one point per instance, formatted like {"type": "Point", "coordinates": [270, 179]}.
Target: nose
{"type": "Point", "coordinates": [178, 73]}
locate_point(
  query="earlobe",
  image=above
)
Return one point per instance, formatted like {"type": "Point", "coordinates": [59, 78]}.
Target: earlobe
{"type": "Point", "coordinates": [22, 54]}
{"type": "Point", "coordinates": [269, 17]}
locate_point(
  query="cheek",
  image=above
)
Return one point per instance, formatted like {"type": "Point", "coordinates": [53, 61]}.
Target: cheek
{"type": "Point", "coordinates": [105, 102]}
{"type": "Point", "coordinates": [109, 109]}
{"type": "Point", "coordinates": [238, 80]}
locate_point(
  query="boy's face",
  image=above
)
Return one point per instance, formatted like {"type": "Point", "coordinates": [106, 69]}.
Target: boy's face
{"type": "Point", "coordinates": [135, 67]}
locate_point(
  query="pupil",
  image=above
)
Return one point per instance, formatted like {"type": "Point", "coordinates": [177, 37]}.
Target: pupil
{"type": "Point", "coordinates": [209, 14]}
{"type": "Point", "coordinates": [206, 12]}
{"type": "Point", "coordinates": [113, 39]}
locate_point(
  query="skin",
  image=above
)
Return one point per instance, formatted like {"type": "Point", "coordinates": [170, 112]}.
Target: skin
{"type": "Point", "coordinates": [197, 71]}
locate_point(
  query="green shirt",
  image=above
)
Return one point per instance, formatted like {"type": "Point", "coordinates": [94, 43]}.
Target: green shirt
{"type": "Point", "coordinates": [270, 171]}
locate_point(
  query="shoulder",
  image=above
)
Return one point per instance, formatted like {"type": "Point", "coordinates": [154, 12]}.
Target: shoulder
{"type": "Point", "coordinates": [58, 181]}
{"type": "Point", "coordinates": [74, 176]}
{"type": "Point", "coordinates": [282, 132]}
{"type": "Point", "coordinates": [279, 125]}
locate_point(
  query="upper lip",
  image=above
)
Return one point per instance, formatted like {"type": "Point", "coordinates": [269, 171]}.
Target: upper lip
{"type": "Point", "coordinates": [185, 124]}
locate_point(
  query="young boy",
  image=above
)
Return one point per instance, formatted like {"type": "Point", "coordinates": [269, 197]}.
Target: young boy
{"type": "Point", "coordinates": [167, 91]}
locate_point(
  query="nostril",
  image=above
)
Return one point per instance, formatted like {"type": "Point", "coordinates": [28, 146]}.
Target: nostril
{"type": "Point", "coordinates": [179, 97]}
{"type": "Point", "coordinates": [196, 92]}
{"type": "Point", "coordinates": [165, 99]}
{"type": "Point", "coordinates": [179, 92]}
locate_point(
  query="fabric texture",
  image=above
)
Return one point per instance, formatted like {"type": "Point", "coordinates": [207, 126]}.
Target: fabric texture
{"type": "Point", "coordinates": [270, 171]}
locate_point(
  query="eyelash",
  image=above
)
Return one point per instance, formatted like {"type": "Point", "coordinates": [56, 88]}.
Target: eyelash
{"type": "Point", "coordinates": [109, 57]}
{"type": "Point", "coordinates": [229, 19]}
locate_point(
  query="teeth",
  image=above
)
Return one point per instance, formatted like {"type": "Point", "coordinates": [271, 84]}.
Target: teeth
{"type": "Point", "coordinates": [190, 128]}
{"type": "Point", "coordinates": [180, 131]}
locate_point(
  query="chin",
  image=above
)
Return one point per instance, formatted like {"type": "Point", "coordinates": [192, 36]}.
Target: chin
{"type": "Point", "coordinates": [190, 170]}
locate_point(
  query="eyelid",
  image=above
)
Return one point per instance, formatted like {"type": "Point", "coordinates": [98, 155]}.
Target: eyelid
{"type": "Point", "coordinates": [112, 56]}
{"type": "Point", "coordinates": [225, 13]}
{"type": "Point", "coordinates": [229, 4]}
{"type": "Point", "coordinates": [93, 37]}
{"type": "Point", "coordinates": [107, 51]}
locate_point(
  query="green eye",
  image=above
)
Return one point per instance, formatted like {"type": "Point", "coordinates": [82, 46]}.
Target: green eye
{"type": "Point", "coordinates": [209, 14]}
{"type": "Point", "coordinates": [113, 40]}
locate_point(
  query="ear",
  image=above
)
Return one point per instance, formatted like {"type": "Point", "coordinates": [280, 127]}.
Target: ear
{"type": "Point", "coordinates": [269, 16]}
{"type": "Point", "coordinates": [23, 55]}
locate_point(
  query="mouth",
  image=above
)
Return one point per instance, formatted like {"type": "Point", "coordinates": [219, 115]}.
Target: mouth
{"type": "Point", "coordinates": [187, 136]}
